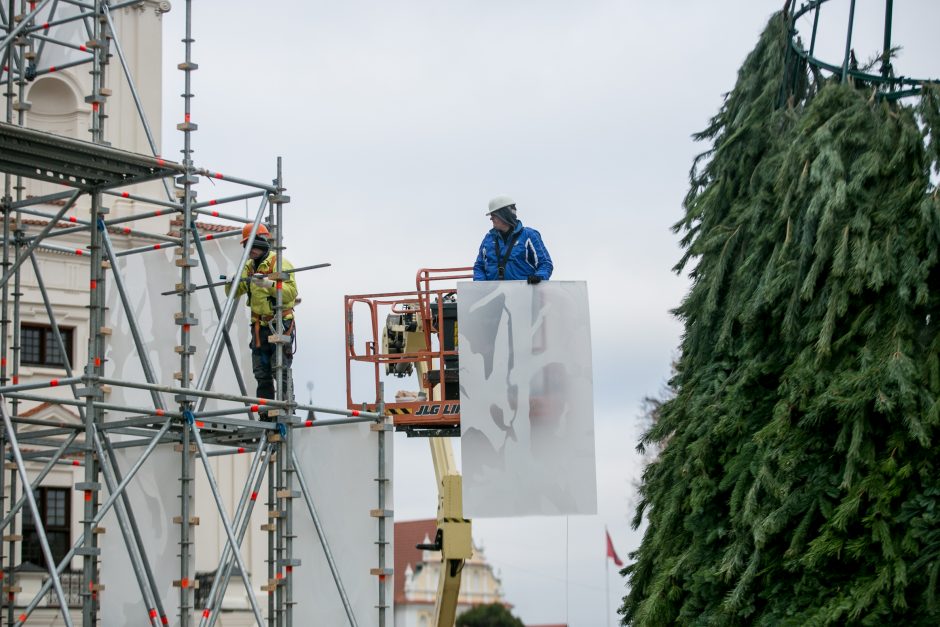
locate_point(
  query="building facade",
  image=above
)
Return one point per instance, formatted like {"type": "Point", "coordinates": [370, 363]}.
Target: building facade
{"type": "Point", "coordinates": [417, 574]}
{"type": "Point", "coordinates": [56, 102]}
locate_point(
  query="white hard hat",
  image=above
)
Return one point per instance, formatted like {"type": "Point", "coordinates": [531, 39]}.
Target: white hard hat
{"type": "Point", "coordinates": [499, 202]}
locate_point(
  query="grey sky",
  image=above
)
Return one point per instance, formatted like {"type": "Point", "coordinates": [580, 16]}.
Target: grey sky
{"type": "Point", "coordinates": [397, 121]}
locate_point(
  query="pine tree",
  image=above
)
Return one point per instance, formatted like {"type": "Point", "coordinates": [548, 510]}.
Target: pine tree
{"type": "Point", "coordinates": [490, 615]}
{"type": "Point", "coordinates": [797, 481]}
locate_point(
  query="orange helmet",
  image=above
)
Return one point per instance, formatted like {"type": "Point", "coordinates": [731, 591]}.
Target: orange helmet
{"type": "Point", "coordinates": [262, 232]}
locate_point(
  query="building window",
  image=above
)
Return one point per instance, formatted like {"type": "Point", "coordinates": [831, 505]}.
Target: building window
{"type": "Point", "coordinates": [40, 348]}
{"type": "Point", "coordinates": [55, 512]}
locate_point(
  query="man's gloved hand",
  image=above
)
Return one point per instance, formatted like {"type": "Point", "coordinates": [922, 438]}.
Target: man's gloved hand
{"type": "Point", "coordinates": [532, 280]}
{"type": "Point", "coordinates": [262, 282]}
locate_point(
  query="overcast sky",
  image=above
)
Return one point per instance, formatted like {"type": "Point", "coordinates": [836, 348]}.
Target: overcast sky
{"type": "Point", "coordinates": [397, 121]}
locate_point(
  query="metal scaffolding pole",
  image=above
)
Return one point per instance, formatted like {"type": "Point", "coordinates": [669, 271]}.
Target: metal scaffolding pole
{"type": "Point", "coordinates": [270, 528]}
{"type": "Point", "coordinates": [37, 518]}
{"type": "Point", "coordinates": [242, 521]}
{"type": "Point", "coordinates": [135, 530]}
{"type": "Point", "coordinates": [384, 573]}
{"type": "Point", "coordinates": [158, 401]}
{"type": "Point", "coordinates": [215, 202]}
{"type": "Point", "coordinates": [355, 415]}
{"type": "Point", "coordinates": [36, 240]}
{"type": "Point", "coordinates": [13, 32]}
{"type": "Point", "coordinates": [43, 200]}
{"type": "Point", "coordinates": [85, 225]}
{"type": "Point", "coordinates": [133, 89]}
{"type": "Point", "coordinates": [102, 511]}
{"type": "Point", "coordinates": [93, 416]}
{"type": "Point", "coordinates": [133, 548]}
{"type": "Point", "coordinates": [278, 514]}
{"type": "Point", "coordinates": [223, 515]}
{"type": "Point", "coordinates": [21, 107]}
{"type": "Point", "coordinates": [228, 310]}
{"type": "Point", "coordinates": [95, 363]}
{"type": "Point", "coordinates": [176, 207]}
{"type": "Point", "coordinates": [169, 245]}
{"type": "Point", "coordinates": [186, 320]}
{"type": "Point", "coordinates": [100, 55]}
{"type": "Point", "coordinates": [6, 202]}
{"type": "Point", "coordinates": [132, 321]}
{"type": "Point", "coordinates": [229, 347]}
{"type": "Point", "coordinates": [38, 480]}
{"type": "Point", "coordinates": [43, 40]}
{"type": "Point", "coordinates": [283, 391]}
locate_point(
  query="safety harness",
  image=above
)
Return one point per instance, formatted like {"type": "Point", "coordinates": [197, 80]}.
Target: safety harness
{"type": "Point", "coordinates": [502, 259]}
{"type": "Point", "coordinates": [258, 319]}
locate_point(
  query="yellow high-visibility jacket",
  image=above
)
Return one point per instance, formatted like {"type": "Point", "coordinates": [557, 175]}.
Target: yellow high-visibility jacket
{"type": "Point", "coordinates": [262, 300]}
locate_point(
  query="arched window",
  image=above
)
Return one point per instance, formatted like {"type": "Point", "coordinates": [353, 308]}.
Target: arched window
{"type": "Point", "coordinates": [55, 108]}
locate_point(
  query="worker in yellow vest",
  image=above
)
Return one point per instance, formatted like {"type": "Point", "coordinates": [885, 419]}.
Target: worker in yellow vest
{"type": "Point", "coordinates": [262, 300]}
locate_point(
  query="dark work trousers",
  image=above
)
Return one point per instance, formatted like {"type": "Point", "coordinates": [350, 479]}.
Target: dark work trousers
{"type": "Point", "coordinates": [263, 357]}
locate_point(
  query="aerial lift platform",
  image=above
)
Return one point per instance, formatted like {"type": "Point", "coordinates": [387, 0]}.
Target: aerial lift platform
{"type": "Point", "coordinates": [416, 333]}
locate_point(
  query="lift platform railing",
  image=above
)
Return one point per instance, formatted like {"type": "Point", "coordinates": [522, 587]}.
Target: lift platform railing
{"type": "Point", "coordinates": [434, 360]}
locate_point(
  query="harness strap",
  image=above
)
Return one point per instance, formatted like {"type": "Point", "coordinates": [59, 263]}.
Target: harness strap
{"type": "Point", "coordinates": [266, 318]}
{"type": "Point", "coordinates": [256, 327]}
{"type": "Point", "coordinates": [270, 261]}
{"type": "Point", "coordinates": [502, 259]}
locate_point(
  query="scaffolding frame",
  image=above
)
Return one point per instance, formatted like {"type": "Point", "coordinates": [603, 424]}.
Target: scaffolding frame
{"type": "Point", "coordinates": [802, 61]}
{"type": "Point", "coordinates": [96, 171]}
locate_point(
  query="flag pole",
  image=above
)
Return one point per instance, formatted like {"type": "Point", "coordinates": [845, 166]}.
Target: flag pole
{"type": "Point", "coordinates": [607, 580]}
{"type": "Point", "coordinates": [566, 570]}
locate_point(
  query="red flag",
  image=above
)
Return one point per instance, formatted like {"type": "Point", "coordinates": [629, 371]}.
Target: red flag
{"type": "Point", "coordinates": [611, 553]}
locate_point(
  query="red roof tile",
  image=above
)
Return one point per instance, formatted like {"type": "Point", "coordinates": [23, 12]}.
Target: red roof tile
{"type": "Point", "coordinates": [407, 535]}
{"type": "Point", "coordinates": [212, 227]}
{"type": "Point", "coordinates": [29, 413]}
{"type": "Point", "coordinates": [35, 410]}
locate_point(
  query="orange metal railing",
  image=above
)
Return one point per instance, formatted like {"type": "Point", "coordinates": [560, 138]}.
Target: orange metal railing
{"type": "Point", "coordinates": [427, 300]}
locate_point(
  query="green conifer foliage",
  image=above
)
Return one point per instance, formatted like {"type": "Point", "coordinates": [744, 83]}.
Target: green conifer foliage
{"type": "Point", "coordinates": [798, 479]}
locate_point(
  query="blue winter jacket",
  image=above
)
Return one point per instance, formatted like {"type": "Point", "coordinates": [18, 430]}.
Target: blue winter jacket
{"type": "Point", "coordinates": [529, 256]}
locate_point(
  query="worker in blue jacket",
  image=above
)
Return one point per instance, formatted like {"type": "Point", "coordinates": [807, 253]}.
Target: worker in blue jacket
{"type": "Point", "coordinates": [511, 251]}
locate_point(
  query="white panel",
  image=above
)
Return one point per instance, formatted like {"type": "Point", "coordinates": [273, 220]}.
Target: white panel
{"type": "Point", "coordinates": [145, 277]}
{"type": "Point", "coordinates": [152, 498]}
{"type": "Point", "coordinates": [71, 32]}
{"type": "Point", "coordinates": [340, 464]}
{"type": "Point", "coordinates": [157, 484]}
{"type": "Point", "coordinates": [526, 399]}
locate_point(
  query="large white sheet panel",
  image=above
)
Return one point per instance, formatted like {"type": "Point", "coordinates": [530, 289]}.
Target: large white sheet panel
{"type": "Point", "coordinates": [155, 490]}
{"type": "Point", "coordinates": [74, 32]}
{"type": "Point", "coordinates": [526, 399]}
{"type": "Point", "coordinates": [340, 464]}
{"type": "Point", "coordinates": [153, 493]}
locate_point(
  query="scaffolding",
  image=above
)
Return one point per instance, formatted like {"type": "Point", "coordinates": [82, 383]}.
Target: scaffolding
{"type": "Point", "coordinates": [803, 65]}
{"type": "Point", "coordinates": [93, 172]}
